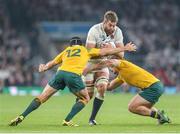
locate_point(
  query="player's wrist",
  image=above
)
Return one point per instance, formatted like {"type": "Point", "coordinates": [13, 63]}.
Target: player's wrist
{"type": "Point", "coordinates": [45, 68]}
{"type": "Point", "coordinates": [125, 48]}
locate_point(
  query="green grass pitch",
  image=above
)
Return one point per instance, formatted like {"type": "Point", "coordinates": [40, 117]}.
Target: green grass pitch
{"type": "Point", "coordinates": [114, 116]}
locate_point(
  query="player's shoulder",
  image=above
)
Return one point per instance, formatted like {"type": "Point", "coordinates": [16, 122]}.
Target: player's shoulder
{"type": "Point", "coordinates": [66, 48]}
{"type": "Point", "coordinates": [96, 27]}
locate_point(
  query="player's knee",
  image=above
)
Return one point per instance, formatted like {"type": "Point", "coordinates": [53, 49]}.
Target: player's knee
{"type": "Point", "coordinates": [40, 99]}
{"type": "Point", "coordinates": [84, 96]}
{"type": "Point", "coordinates": [101, 88]}
{"type": "Point", "coordinates": [101, 84]}
{"type": "Point", "coordinates": [131, 107]}
{"type": "Point", "coordinates": [85, 99]}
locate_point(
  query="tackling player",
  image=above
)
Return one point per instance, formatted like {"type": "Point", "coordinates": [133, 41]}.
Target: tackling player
{"type": "Point", "coordinates": [105, 34]}
{"type": "Point", "coordinates": [73, 60]}
{"type": "Point", "coordinates": [151, 87]}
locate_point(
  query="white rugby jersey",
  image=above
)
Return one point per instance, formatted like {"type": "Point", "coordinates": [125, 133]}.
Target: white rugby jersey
{"type": "Point", "coordinates": [98, 36]}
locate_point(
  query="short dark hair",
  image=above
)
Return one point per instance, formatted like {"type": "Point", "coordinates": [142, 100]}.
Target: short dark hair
{"type": "Point", "coordinates": [75, 41]}
{"type": "Point", "coordinates": [111, 16]}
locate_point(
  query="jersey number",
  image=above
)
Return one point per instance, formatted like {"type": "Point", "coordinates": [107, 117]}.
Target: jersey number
{"type": "Point", "coordinates": [74, 52]}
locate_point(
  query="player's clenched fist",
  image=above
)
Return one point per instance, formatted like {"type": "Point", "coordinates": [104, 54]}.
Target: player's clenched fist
{"type": "Point", "coordinates": [42, 67]}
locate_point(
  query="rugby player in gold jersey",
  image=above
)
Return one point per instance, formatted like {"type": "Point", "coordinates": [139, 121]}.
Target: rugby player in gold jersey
{"type": "Point", "coordinates": [72, 62]}
{"type": "Point", "coordinates": [150, 87]}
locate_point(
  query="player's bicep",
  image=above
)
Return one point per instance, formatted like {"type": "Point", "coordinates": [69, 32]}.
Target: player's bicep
{"type": "Point", "coordinates": [118, 38]}
{"type": "Point", "coordinates": [91, 38]}
{"type": "Point", "coordinates": [119, 42]}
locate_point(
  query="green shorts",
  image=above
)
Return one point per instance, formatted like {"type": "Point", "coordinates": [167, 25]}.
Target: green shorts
{"type": "Point", "coordinates": [153, 92]}
{"type": "Point", "coordinates": [71, 80]}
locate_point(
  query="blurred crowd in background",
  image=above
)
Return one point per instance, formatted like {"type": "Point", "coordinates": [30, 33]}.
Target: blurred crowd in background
{"type": "Point", "coordinates": [154, 26]}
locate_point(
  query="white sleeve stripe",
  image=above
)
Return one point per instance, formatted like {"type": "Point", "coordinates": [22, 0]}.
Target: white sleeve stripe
{"type": "Point", "coordinates": [93, 42]}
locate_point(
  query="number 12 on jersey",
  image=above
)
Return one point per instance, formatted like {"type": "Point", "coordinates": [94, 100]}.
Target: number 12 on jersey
{"type": "Point", "coordinates": [74, 52]}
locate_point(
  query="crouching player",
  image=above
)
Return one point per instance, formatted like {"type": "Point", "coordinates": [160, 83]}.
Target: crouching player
{"type": "Point", "coordinates": [151, 87]}
{"type": "Point", "coordinates": [73, 60]}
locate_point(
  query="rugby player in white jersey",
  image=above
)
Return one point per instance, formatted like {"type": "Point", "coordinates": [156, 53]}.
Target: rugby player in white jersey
{"type": "Point", "coordinates": [104, 34]}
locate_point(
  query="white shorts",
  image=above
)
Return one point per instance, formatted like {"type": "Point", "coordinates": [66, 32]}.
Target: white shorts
{"type": "Point", "coordinates": [92, 78]}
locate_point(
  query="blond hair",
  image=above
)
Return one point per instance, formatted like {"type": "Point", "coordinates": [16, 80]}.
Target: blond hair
{"type": "Point", "coordinates": [110, 16]}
